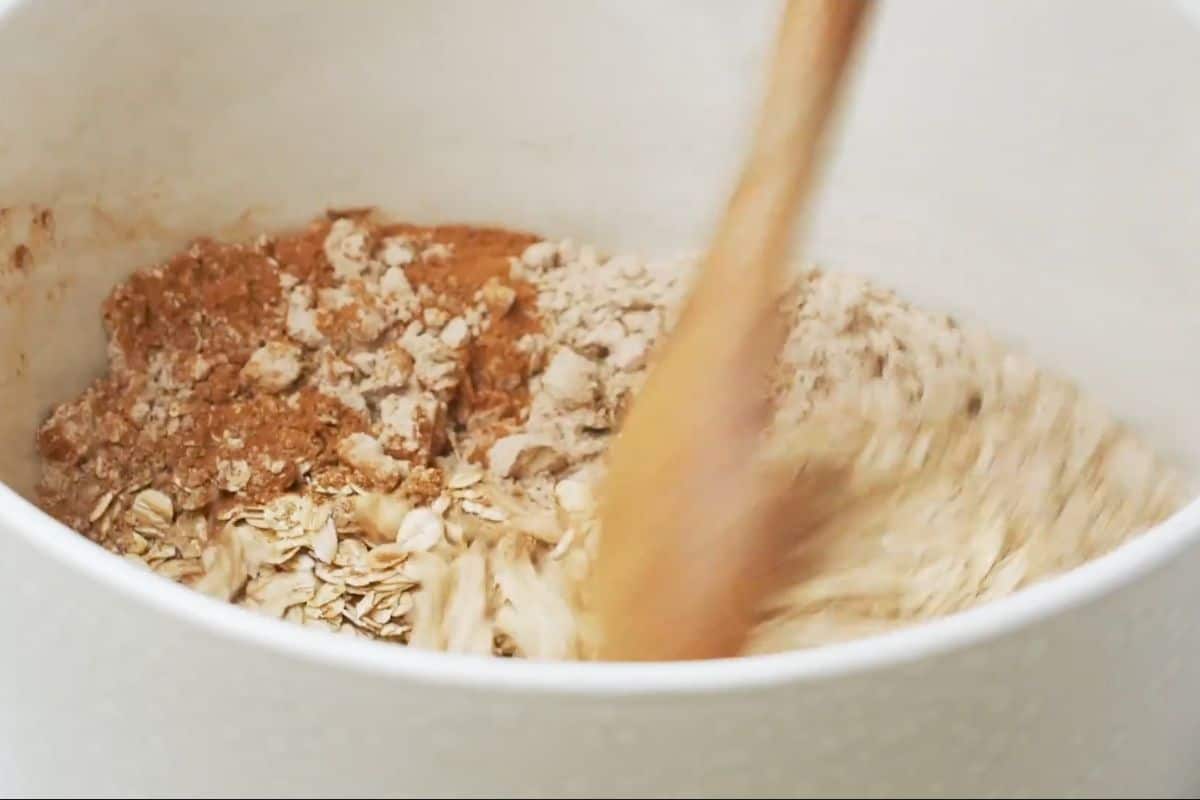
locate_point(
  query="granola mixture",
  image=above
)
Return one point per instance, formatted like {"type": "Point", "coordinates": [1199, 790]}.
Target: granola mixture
{"type": "Point", "coordinates": [396, 432]}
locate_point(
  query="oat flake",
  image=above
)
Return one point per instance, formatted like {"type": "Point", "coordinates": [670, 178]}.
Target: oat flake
{"type": "Point", "coordinates": [397, 432]}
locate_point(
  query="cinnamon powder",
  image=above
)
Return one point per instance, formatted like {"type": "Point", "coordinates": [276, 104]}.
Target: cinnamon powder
{"type": "Point", "coordinates": [189, 408]}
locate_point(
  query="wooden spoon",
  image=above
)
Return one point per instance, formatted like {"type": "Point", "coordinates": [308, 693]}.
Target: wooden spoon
{"type": "Point", "coordinates": [690, 523]}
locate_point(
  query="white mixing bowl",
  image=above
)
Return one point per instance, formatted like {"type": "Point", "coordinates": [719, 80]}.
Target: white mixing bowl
{"type": "Point", "coordinates": [1032, 165]}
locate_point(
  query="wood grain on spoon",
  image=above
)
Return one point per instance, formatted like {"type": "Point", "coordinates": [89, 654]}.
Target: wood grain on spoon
{"type": "Point", "coordinates": [690, 523]}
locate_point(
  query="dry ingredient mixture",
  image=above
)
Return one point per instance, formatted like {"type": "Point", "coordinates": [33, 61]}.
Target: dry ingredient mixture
{"type": "Point", "coordinates": [397, 432]}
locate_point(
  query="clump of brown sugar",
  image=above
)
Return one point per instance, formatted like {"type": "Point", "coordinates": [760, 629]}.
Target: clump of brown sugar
{"type": "Point", "coordinates": [397, 431]}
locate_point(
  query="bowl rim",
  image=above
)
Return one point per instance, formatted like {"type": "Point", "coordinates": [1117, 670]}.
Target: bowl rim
{"type": "Point", "coordinates": [1106, 574]}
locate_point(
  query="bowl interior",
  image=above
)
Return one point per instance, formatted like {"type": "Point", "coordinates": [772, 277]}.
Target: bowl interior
{"type": "Point", "coordinates": [1036, 171]}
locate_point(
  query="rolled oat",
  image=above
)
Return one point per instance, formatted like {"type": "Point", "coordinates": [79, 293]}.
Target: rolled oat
{"type": "Point", "coordinates": [397, 432]}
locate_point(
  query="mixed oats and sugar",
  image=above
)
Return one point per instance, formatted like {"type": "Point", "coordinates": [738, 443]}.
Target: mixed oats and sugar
{"type": "Point", "coordinates": [398, 432]}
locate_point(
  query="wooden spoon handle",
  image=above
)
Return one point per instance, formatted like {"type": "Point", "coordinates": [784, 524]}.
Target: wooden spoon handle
{"type": "Point", "coordinates": [815, 41]}
{"type": "Point", "coordinates": [689, 524]}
